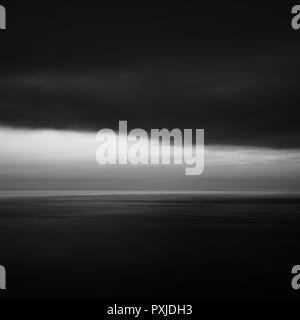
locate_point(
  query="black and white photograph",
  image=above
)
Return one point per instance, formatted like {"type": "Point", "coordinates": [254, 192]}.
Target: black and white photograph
{"type": "Point", "coordinates": [149, 152]}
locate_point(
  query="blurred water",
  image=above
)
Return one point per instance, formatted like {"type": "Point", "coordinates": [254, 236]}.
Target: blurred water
{"type": "Point", "coordinates": [141, 245]}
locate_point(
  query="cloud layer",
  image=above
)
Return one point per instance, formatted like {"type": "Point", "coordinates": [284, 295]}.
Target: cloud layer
{"type": "Point", "coordinates": [230, 68]}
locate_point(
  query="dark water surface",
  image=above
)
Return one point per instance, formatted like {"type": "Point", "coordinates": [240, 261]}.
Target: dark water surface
{"type": "Point", "coordinates": [149, 246]}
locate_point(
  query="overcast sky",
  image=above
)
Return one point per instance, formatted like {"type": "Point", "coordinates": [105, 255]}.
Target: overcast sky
{"type": "Point", "coordinates": [231, 69]}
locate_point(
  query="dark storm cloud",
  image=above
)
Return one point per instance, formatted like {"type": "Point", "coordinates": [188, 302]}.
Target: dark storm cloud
{"type": "Point", "coordinates": [230, 69]}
